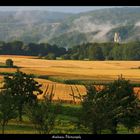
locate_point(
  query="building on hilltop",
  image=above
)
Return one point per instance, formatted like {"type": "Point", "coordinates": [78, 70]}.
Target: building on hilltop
{"type": "Point", "coordinates": [117, 37]}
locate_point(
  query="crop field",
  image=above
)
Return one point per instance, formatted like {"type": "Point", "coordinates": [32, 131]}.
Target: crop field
{"type": "Point", "coordinates": [70, 69]}
{"type": "Point", "coordinates": [63, 92]}
{"type": "Point", "coordinates": [68, 93]}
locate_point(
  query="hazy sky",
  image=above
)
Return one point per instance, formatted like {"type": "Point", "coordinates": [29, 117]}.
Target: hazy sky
{"type": "Point", "coordinates": [68, 9]}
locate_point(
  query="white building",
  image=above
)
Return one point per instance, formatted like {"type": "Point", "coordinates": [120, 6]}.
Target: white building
{"type": "Point", "coordinates": [117, 38]}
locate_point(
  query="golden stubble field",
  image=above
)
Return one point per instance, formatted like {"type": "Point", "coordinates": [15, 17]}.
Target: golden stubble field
{"type": "Point", "coordinates": [70, 69]}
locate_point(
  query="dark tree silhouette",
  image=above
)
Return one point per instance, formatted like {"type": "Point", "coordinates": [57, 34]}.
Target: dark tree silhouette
{"type": "Point", "coordinates": [23, 89]}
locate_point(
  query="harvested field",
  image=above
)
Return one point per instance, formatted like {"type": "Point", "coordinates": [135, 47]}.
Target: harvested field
{"type": "Point", "coordinates": [63, 92]}
{"type": "Point", "coordinates": [72, 69]}
{"type": "Point", "coordinates": [69, 93]}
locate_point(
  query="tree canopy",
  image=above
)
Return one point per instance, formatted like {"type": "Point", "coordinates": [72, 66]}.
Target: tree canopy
{"type": "Point", "coordinates": [23, 88]}
{"type": "Point", "coordinates": [109, 106]}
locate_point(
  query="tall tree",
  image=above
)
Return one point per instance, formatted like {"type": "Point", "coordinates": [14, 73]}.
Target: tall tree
{"type": "Point", "coordinates": [95, 110]}
{"type": "Point", "coordinates": [117, 52]}
{"type": "Point", "coordinates": [23, 88]}
{"type": "Point", "coordinates": [7, 108]}
{"type": "Point", "coordinates": [95, 53]}
{"type": "Point", "coordinates": [132, 51]}
{"type": "Point", "coordinates": [124, 104]}
{"type": "Point", "coordinates": [109, 106]}
{"type": "Point", "coordinates": [43, 115]}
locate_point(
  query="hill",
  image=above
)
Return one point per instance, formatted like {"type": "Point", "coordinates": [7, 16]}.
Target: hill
{"type": "Point", "coordinates": [66, 29]}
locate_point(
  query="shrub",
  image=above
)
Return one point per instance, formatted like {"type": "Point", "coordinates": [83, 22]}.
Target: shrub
{"type": "Point", "coordinates": [9, 62]}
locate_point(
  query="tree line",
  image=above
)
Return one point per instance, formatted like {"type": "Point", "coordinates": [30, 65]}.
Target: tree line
{"type": "Point", "coordinates": [88, 51]}
{"type": "Point", "coordinates": [104, 51]}
{"type": "Point", "coordinates": [33, 49]}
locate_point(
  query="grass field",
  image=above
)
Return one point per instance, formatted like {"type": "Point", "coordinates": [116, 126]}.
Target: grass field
{"type": "Point", "coordinates": [65, 124]}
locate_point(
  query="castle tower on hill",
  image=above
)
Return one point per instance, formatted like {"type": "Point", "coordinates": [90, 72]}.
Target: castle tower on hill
{"type": "Point", "coordinates": [117, 38]}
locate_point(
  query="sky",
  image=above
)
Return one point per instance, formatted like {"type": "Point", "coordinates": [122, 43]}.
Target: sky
{"type": "Point", "coordinates": [66, 9]}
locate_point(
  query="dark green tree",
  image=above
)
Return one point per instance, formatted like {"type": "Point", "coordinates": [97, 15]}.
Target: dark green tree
{"type": "Point", "coordinates": [65, 57]}
{"type": "Point", "coordinates": [124, 102]}
{"type": "Point", "coordinates": [113, 104]}
{"type": "Point", "coordinates": [23, 89]}
{"type": "Point", "coordinates": [132, 51]}
{"type": "Point", "coordinates": [95, 113]}
{"type": "Point", "coordinates": [95, 53]}
{"type": "Point", "coordinates": [81, 57]}
{"type": "Point", "coordinates": [51, 56]}
{"type": "Point", "coordinates": [106, 48]}
{"type": "Point", "coordinates": [74, 56]}
{"type": "Point", "coordinates": [43, 115]}
{"type": "Point", "coordinates": [9, 63]}
{"type": "Point", "coordinates": [117, 52]}
{"type": "Point", "coordinates": [7, 108]}
{"type": "Point", "coordinates": [16, 47]}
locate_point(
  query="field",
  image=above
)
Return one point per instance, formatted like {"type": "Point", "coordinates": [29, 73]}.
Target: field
{"type": "Point", "coordinates": [63, 92]}
{"type": "Point", "coordinates": [64, 124]}
{"type": "Point", "coordinates": [66, 93]}
{"type": "Point", "coordinates": [69, 69]}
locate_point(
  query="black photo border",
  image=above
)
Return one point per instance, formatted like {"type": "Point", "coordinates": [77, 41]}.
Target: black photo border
{"type": "Point", "coordinates": [69, 3]}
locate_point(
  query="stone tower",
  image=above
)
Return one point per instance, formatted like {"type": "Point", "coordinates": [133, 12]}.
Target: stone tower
{"type": "Point", "coordinates": [117, 37]}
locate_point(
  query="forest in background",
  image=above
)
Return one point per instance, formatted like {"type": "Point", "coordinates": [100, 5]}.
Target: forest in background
{"type": "Point", "coordinates": [85, 51]}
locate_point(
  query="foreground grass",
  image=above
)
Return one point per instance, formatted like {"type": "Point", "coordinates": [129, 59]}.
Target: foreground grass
{"type": "Point", "coordinates": [65, 124]}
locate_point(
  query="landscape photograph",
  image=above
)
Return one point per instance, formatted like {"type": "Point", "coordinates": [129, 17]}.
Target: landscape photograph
{"type": "Point", "coordinates": [70, 70]}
